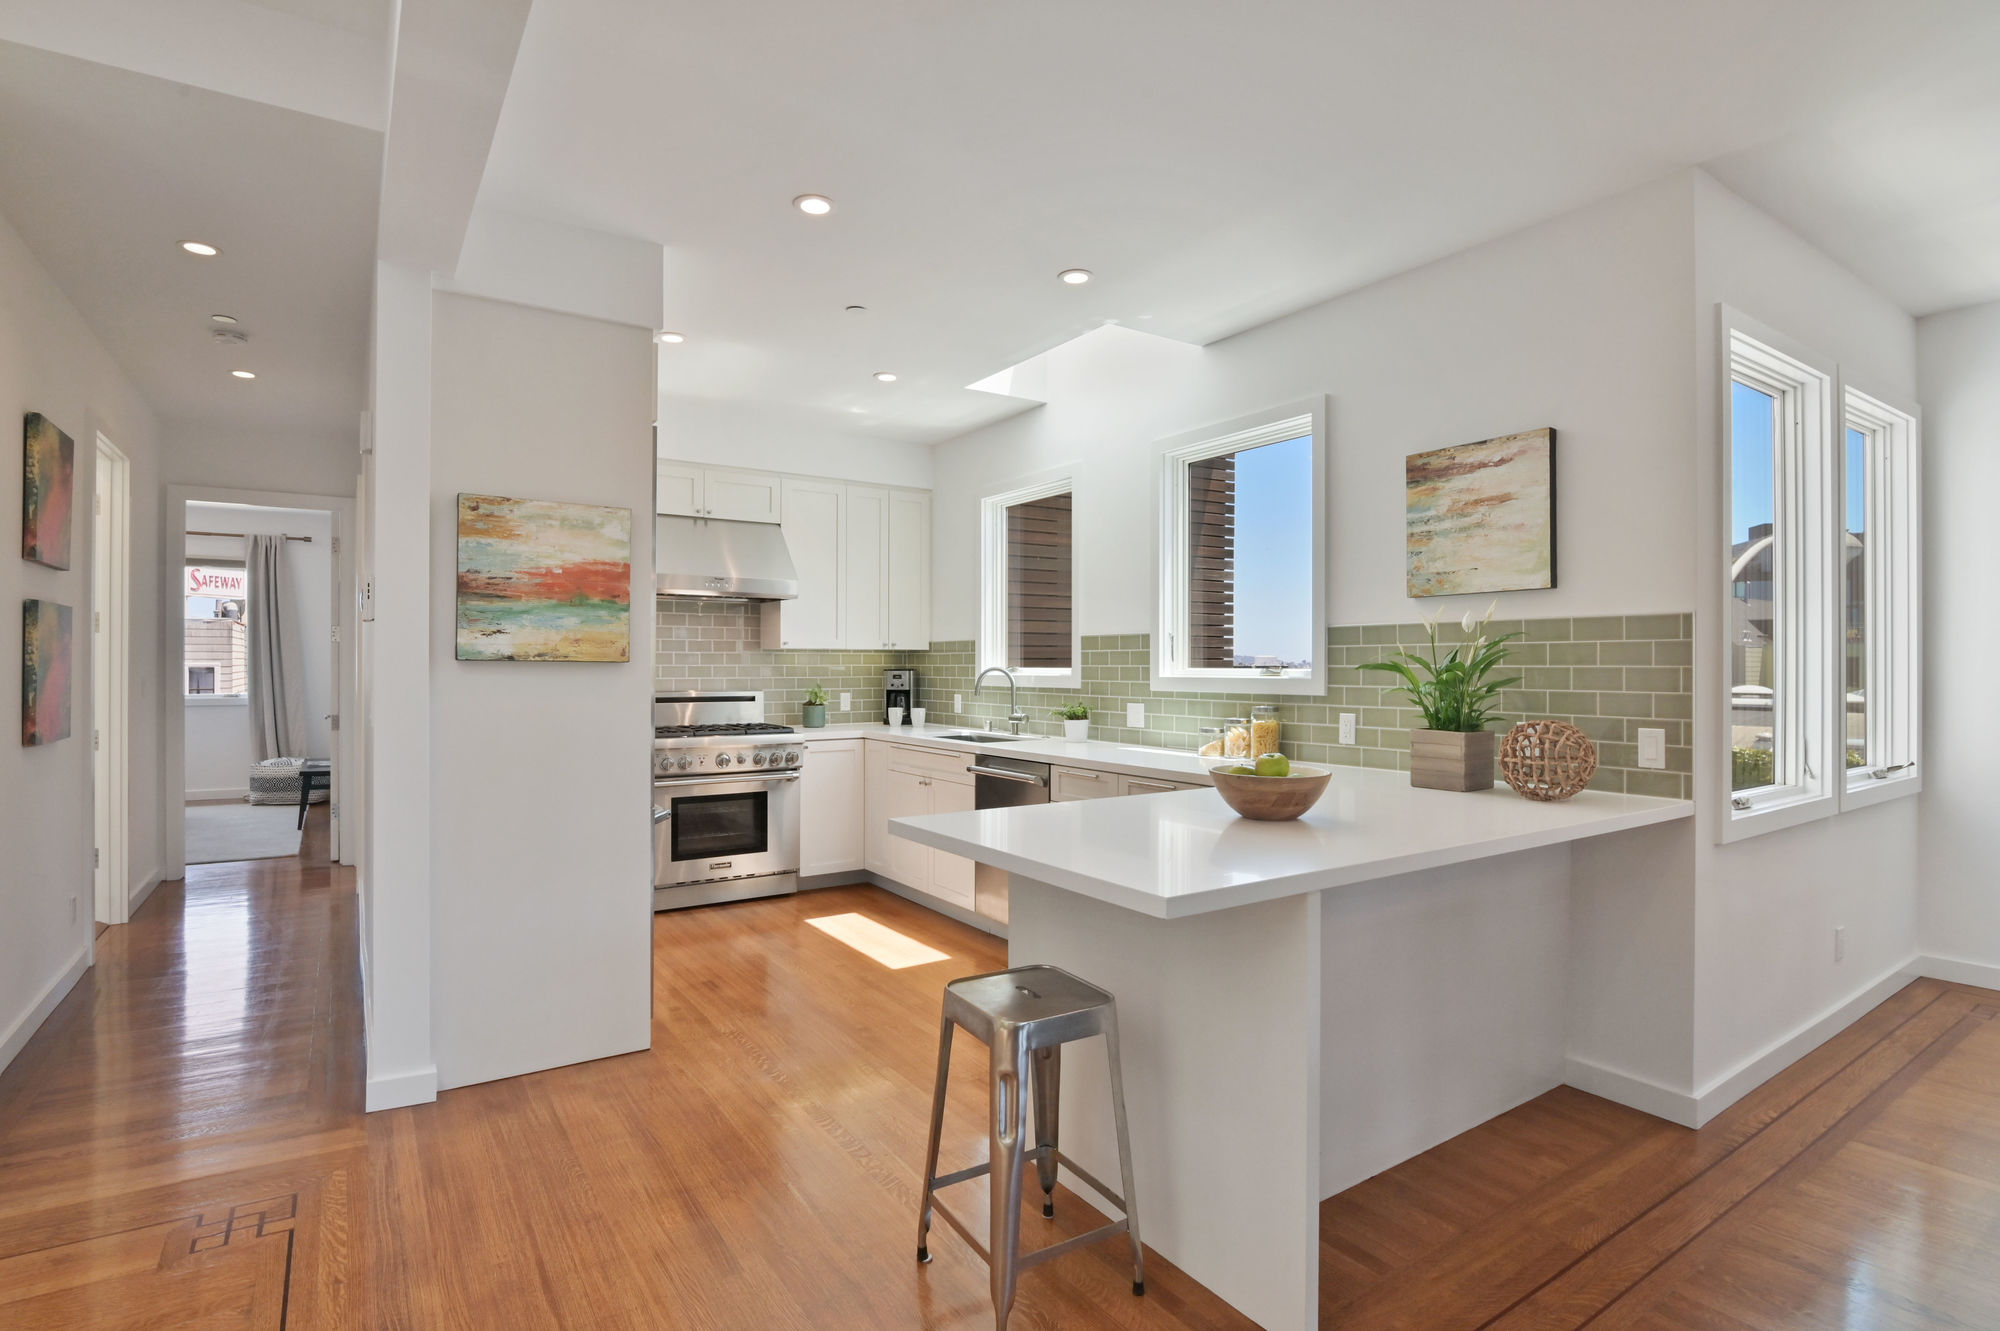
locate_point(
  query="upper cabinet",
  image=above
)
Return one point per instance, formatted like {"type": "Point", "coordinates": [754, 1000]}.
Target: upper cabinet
{"type": "Point", "coordinates": [907, 588]}
{"type": "Point", "coordinates": [686, 490]}
{"type": "Point", "coordinates": [863, 553]}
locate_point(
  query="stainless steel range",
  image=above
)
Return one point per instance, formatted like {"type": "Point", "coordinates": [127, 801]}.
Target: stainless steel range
{"type": "Point", "coordinates": [725, 800]}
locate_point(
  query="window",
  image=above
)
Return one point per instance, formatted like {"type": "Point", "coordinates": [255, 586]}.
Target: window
{"type": "Point", "coordinates": [1880, 682]}
{"type": "Point", "coordinates": [1028, 589]}
{"type": "Point", "coordinates": [1820, 598]}
{"type": "Point", "coordinates": [1242, 549]}
{"type": "Point", "coordinates": [215, 641]}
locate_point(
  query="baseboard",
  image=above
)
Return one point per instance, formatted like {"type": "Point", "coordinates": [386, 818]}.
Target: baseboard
{"type": "Point", "coordinates": [1754, 1071]}
{"type": "Point", "coordinates": [408, 1088]}
{"type": "Point", "coordinates": [1957, 970]}
{"type": "Point", "coordinates": [231, 793]}
{"type": "Point", "coordinates": [138, 899]}
{"type": "Point", "coordinates": [1631, 1090]}
{"type": "Point", "coordinates": [23, 1030]}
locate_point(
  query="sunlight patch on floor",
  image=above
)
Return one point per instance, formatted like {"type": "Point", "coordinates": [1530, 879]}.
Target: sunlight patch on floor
{"type": "Point", "coordinates": [877, 941]}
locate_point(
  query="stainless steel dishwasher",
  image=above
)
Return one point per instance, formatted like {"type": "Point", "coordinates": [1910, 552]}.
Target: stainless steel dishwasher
{"type": "Point", "coordinates": [1002, 783]}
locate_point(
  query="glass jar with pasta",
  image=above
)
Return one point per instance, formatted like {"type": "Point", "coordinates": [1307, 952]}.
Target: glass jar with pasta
{"type": "Point", "coordinates": [1263, 729]}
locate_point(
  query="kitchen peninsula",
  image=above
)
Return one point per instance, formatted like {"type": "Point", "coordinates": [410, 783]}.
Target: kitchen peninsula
{"type": "Point", "coordinates": [1303, 1004]}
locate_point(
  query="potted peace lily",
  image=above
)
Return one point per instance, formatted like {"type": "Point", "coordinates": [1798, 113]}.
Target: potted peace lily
{"type": "Point", "coordinates": [1454, 749]}
{"type": "Point", "coordinates": [1075, 717]}
{"type": "Point", "coordinates": [815, 707]}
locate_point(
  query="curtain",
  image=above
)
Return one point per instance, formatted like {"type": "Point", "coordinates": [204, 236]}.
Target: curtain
{"type": "Point", "coordinates": [277, 667]}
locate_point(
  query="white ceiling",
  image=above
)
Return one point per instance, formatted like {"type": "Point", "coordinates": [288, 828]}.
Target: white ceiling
{"type": "Point", "coordinates": [1216, 165]}
{"type": "Point", "coordinates": [105, 171]}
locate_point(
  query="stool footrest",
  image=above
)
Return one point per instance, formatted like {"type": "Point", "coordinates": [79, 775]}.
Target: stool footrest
{"type": "Point", "coordinates": [943, 1212]}
{"type": "Point", "coordinates": [1055, 1250]}
{"type": "Point", "coordinates": [1093, 1181]}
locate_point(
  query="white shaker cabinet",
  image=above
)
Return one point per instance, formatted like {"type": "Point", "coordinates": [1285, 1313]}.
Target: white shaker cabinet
{"type": "Point", "coordinates": [677, 489]}
{"type": "Point", "coordinates": [688, 490]}
{"type": "Point", "coordinates": [864, 579]}
{"type": "Point", "coordinates": [815, 529]}
{"type": "Point", "coordinates": [832, 814]}
{"type": "Point", "coordinates": [907, 581]}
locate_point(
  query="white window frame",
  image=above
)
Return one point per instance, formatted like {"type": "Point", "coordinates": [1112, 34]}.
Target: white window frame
{"type": "Point", "coordinates": [1170, 672]}
{"type": "Point", "coordinates": [992, 647]}
{"type": "Point", "coordinates": [1809, 749]}
{"type": "Point", "coordinates": [1894, 564]}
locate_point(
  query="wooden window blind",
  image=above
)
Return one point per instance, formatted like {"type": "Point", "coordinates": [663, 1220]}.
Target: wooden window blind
{"type": "Point", "coordinates": [1212, 562]}
{"type": "Point", "coordinates": [1039, 600]}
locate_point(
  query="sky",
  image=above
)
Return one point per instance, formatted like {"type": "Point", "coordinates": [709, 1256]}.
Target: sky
{"type": "Point", "coordinates": [1274, 550]}
{"type": "Point", "coordinates": [1751, 466]}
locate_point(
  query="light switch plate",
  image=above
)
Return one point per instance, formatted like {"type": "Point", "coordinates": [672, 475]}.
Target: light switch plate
{"type": "Point", "coordinates": [846, 702]}
{"type": "Point", "coordinates": [957, 702]}
{"type": "Point", "coordinates": [1347, 727]}
{"type": "Point", "coordinates": [1135, 716]}
{"type": "Point", "coordinates": [1652, 747]}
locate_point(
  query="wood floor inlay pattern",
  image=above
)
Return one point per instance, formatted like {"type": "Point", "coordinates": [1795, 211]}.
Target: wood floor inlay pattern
{"type": "Point", "coordinates": [182, 1146]}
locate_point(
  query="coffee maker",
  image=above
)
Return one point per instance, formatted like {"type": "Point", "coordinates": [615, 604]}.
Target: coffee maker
{"type": "Point", "coordinates": [899, 689]}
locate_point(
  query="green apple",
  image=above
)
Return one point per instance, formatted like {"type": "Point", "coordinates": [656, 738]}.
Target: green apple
{"type": "Point", "coordinates": [1240, 770]}
{"type": "Point", "coordinates": [1273, 764]}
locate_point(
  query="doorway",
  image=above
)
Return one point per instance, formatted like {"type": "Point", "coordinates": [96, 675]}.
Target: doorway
{"type": "Point", "coordinates": [110, 679]}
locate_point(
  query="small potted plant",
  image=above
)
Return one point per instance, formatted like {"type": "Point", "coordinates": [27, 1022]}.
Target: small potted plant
{"type": "Point", "coordinates": [815, 707]}
{"type": "Point", "coordinates": [1075, 717]}
{"type": "Point", "coordinates": [1454, 749]}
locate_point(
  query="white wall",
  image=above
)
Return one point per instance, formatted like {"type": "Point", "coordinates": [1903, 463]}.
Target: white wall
{"type": "Point", "coordinates": [51, 362]}
{"type": "Point", "coordinates": [1766, 908]}
{"type": "Point", "coordinates": [742, 434]}
{"type": "Point", "coordinates": [1577, 323]}
{"type": "Point", "coordinates": [286, 462]}
{"type": "Point", "coordinates": [216, 749]}
{"type": "Point", "coordinates": [541, 846]}
{"type": "Point", "coordinates": [1958, 364]}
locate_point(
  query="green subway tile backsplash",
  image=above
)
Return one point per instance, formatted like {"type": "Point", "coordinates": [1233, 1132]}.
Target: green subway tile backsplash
{"type": "Point", "coordinates": [1608, 675]}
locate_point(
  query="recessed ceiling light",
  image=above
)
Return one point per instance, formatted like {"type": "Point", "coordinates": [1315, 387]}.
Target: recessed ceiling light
{"type": "Point", "coordinates": [1076, 277]}
{"type": "Point", "coordinates": [203, 248]}
{"type": "Point", "coordinates": [885, 376]}
{"type": "Point", "coordinates": [672, 337]}
{"type": "Point", "coordinates": [222, 318]}
{"type": "Point", "coordinates": [244, 374]}
{"type": "Point", "coordinates": [816, 204]}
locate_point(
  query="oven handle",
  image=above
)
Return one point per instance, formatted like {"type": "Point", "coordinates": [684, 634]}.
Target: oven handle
{"type": "Point", "coordinates": [661, 815]}
{"type": "Point", "coordinates": [713, 778]}
{"type": "Point", "coordinates": [1021, 777]}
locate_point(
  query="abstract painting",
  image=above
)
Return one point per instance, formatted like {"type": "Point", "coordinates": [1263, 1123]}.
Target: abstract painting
{"type": "Point", "coordinates": [1482, 517]}
{"type": "Point", "coordinates": [541, 581]}
{"type": "Point", "coordinates": [45, 671]}
{"type": "Point", "coordinates": [48, 484]}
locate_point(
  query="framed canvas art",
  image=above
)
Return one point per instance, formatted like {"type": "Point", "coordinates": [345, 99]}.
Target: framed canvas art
{"type": "Point", "coordinates": [1482, 517]}
{"type": "Point", "coordinates": [541, 581]}
{"type": "Point", "coordinates": [46, 660]}
{"type": "Point", "coordinates": [48, 486]}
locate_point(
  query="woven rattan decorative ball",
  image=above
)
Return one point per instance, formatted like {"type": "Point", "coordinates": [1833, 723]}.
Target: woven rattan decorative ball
{"type": "Point", "coordinates": [1547, 760]}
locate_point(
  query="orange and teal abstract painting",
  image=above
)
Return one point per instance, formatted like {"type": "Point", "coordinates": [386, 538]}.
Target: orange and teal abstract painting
{"type": "Point", "coordinates": [47, 659]}
{"type": "Point", "coordinates": [542, 581]}
{"type": "Point", "coordinates": [1482, 517]}
{"type": "Point", "coordinates": [48, 487]}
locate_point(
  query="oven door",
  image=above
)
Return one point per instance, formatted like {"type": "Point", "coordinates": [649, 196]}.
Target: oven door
{"type": "Point", "coordinates": [712, 830]}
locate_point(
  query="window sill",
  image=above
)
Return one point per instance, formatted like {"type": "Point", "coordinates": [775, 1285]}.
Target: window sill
{"type": "Point", "coordinates": [1775, 815]}
{"type": "Point", "coordinates": [216, 699]}
{"type": "Point", "coordinates": [1038, 679]}
{"type": "Point", "coordinates": [1861, 794]}
{"type": "Point", "coordinates": [1276, 685]}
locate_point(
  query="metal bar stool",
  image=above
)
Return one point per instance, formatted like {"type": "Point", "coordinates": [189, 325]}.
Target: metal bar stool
{"type": "Point", "coordinates": [1025, 1016]}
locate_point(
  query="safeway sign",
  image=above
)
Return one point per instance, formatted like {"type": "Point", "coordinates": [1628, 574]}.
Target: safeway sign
{"type": "Point", "coordinates": [218, 582]}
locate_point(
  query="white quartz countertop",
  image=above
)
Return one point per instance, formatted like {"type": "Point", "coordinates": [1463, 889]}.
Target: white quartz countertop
{"type": "Point", "coordinates": [1186, 853]}
{"type": "Point", "coordinates": [1137, 760]}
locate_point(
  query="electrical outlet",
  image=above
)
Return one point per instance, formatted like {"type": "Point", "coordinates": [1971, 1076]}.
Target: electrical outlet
{"type": "Point", "coordinates": [1135, 716]}
{"type": "Point", "coordinates": [1347, 727]}
{"type": "Point", "coordinates": [957, 702]}
{"type": "Point", "coordinates": [1839, 942]}
{"type": "Point", "coordinates": [1652, 747]}
{"type": "Point", "coordinates": [846, 702]}
{"type": "Point", "coordinates": [72, 908]}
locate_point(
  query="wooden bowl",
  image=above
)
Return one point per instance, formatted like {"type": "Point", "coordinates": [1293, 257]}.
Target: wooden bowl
{"type": "Point", "coordinates": [1273, 799]}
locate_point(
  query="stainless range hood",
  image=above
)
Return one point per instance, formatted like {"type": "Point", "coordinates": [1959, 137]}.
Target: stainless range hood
{"type": "Point", "coordinates": [734, 561]}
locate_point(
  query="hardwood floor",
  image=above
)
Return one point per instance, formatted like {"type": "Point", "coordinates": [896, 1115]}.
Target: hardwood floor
{"type": "Point", "coordinates": [182, 1146]}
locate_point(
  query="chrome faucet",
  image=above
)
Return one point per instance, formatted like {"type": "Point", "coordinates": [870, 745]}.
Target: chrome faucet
{"type": "Point", "coordinates": [1015, 716]}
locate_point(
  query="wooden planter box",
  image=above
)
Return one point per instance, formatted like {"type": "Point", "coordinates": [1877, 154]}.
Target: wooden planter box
{"type": "Point", "coordinates": [1452, 759]}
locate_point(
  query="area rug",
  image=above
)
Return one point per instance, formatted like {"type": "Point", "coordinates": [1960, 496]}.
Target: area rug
{"type": "Point", "coordinates": [220, 832]}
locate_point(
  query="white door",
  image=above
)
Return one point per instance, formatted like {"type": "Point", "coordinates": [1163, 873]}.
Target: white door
{"type": "Point", "coordinates": [104, 796]}
{"type": "Point", "coordinates": [677, 488]}
{"type": "Point", "coordinates": [909, 570]}
{"type": "Point", "coordinates": [830, 807]}
{"type": "Point", "coordinates": [814, 533]}
{"type": "Point", "coordinates": [741, 496]}
{"type": "Point", "coordinates": [865, 576]}
{"type": "Point", "coordinates": [951, 875]}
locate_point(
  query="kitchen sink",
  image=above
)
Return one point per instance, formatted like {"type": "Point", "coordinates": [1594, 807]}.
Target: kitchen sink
{"type": "Point", "coordinates": [988, 737]}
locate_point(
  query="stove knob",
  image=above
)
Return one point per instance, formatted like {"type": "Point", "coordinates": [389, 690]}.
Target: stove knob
{"type": "Point", "coordinates": [759, 759]}
{"type": "Point", "coordinates": [792, 758]}
{"type": "Point", "coordinates": [722, 760]}
{"type": "Point", "coordinates": [685, 763]}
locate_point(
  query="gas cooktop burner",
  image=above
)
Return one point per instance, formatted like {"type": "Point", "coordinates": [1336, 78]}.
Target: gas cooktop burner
{"type": "Point", "coordinates": [720, 731]}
